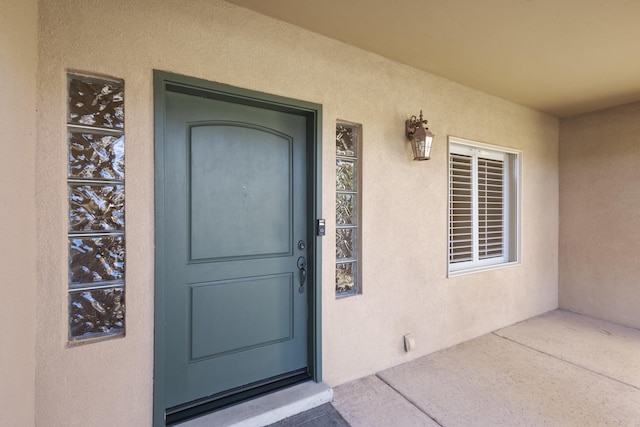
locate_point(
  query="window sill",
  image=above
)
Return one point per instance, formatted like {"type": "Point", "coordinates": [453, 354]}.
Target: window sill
{"type": "Point", "coordinates": [481, 269]}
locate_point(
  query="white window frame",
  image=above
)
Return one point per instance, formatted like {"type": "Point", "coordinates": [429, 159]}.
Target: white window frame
{"type": "Point", "coordinates": [512, 191]}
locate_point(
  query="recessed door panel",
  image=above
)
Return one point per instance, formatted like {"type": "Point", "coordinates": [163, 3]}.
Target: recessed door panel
{"type": "Point", "coordinates": [251, 309]}
{"type": "Point", "coordinates": [235, 168]}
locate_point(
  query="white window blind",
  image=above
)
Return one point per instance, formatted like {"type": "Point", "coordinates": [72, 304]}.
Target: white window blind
{"type": "Point", "coordinates": [481, 204]}
{"type": "Point", "coordinates": [491, 210]}
{"type": "Point", "coordinates": [460, 209]}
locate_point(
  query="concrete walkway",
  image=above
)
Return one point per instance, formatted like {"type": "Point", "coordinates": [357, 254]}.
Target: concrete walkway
{"type": "Point", "coordinates": [558, 369]}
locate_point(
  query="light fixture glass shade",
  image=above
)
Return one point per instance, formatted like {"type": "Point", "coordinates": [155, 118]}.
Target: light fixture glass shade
{"type": "Point", "coordinates": [421, 144]}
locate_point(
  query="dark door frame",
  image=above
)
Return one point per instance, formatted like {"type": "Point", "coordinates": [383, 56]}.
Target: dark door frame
{"type": "Point", "coordinates": [164, 81]}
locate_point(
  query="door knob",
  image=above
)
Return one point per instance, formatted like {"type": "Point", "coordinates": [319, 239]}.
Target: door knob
{"type": "Point", "coordinates": [302, 266]}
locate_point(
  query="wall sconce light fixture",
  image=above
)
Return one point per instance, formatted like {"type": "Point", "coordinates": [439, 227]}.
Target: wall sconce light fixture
{"type": "Point", "coordinates": [420, 137]}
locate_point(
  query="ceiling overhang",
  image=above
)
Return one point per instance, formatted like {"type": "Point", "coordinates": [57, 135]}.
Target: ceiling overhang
{"type": "Point", "coordinates": [561, 57]}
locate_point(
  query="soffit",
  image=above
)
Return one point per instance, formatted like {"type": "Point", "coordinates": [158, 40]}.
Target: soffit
{"type": "Point", "coordinates": [562, 57]}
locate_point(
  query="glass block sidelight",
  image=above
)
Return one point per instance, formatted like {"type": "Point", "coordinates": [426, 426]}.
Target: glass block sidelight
{"type": "Point", "coordinates": [346, 179]}
{"type": "Point", "coordinates": [95, 259]}
{"type": "Point", "coordinates": [348, 210]}
{"type": "Point", "coordinates": [346, 278]}
{"type": "Point", "coordinates": [95, 102]}
{"type": "Point", "coordinates": [96, 312]}
{"type": "Point", "coordinates": [96, 192]}
{"type": "Point", "coordinates": [346, 140]}
{"type": "Point", "coordinates": [96, 156]}
{"type": "Point", "coordinates": [346, 243]}
{"type": "Point", "coordinates": [97, 207]}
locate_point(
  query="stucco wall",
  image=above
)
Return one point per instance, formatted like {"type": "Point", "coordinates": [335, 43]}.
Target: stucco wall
{"type": "Point", "coordinates": [405, 202]}
{"type": "Point", "coordinates": [18, 62]}
{"type": "Point", "coordinates": [600, 227]}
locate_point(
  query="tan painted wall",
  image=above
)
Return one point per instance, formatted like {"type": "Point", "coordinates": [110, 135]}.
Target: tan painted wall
{"type": "Point", "coordinates": [600, 199]}
{"type": "Point", "coordinates": [18, 63]}
{"type": "Point", "coordinates": [404, 219]}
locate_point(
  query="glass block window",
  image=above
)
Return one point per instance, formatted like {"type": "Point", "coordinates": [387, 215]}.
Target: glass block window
{"type": "Point", "coordinates": [95, 183]}
{"type": "Point", "coordinates": [348, 193]}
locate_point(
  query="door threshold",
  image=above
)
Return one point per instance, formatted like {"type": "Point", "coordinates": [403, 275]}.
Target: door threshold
{"type": "Point", "coordinates": [267, 409]}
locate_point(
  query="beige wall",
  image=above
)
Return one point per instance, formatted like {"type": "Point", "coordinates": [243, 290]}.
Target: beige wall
{"type": "Point", "coordinates": [405, 202]}
{"type": "Point", "coordinates": [18, 62]}
{"type": "Point", "coordinates": [600, 172]}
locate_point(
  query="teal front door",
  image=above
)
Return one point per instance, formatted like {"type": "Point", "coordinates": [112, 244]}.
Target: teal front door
{"type": "Point", "coordinates": [234, 263]}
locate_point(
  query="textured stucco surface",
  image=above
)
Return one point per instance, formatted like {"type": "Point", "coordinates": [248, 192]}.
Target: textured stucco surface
{"type": "Point", "coordinates": [599, 271]}
{"type": "Point", "coordinates": [18, 63]}
{"type": "Point", "coordinates": [404, 202]}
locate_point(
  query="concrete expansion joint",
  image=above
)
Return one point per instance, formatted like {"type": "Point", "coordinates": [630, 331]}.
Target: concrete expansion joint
{"type": "Point", "coordinates": [565, 361]}
{"type": "Point", "coordinates": [414, 404]}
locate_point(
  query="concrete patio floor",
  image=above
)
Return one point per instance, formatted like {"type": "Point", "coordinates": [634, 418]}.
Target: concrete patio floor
{"type": "Point", "coordinates": [558, 369]}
